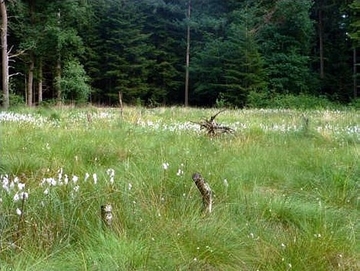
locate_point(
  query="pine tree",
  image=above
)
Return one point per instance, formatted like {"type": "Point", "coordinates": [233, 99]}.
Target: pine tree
{"type": "Point", "coordinates": [286, 37]}
{"type": "Point", "coordinates": [230, 67]}
{"type": "Point", "coordinates": [123, 53]}
{"type": "Point", "coordinates": [166, 74]}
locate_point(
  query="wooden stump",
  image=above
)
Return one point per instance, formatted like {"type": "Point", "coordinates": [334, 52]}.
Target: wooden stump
{"type": "Point", "coordinates": [205, 191]}
{"type": "Point", "coordinates": [106, 214]}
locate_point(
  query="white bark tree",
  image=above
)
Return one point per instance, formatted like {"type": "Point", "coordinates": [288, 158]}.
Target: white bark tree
{"type": "Point", "coordinates": [4, 54]}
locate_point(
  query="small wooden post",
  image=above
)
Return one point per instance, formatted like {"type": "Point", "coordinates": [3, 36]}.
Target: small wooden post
{"type": "Point", "coordinates": [205, 191]}
{"type": "Point", "coordinates": [106, 214]}
{"type": "Point", "coordinates": [89, 118]}
{"type": "Point", "coordinates": [121, 103]}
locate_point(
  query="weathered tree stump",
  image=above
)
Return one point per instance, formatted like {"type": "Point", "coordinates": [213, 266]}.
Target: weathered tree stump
{"type": "Point", "coordinates": [205, 191]}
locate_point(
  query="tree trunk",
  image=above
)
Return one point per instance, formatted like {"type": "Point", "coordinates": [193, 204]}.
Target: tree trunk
{"type": "Point", "coordinates": [355, 73]}
{"type": "Point", "coordinates": [57, 82]}
{"type": "Point", "coordinates": [58, 68]}
{"type": "Point", "coordinates": [187, 56]}
{"type": "Point", "coordinates": [40, 83]}
{"type": "Point", "coordinates": [321, 42]}
{"type": "Point", "coordinates": [4, 55]}
{"type": "Point", "coordinates": [30, 81]}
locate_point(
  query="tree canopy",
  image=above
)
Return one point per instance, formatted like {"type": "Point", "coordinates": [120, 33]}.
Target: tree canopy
{"type": "Point", "coordinates": [90, 51]}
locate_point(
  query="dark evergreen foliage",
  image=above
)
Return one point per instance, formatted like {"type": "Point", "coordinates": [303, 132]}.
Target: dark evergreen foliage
{"type": "Point", "coordinates": [240, 50]}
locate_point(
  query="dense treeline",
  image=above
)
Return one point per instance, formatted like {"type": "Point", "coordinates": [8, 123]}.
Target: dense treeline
{"type": "Point", "coordinates": [242, 52]}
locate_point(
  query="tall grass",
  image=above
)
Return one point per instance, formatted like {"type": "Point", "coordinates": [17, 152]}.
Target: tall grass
{"type": "Point", "coordinates": [286, 187]}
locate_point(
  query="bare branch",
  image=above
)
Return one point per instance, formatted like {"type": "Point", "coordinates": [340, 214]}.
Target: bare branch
{"type": "Point", "coordinates": [19, 53]}
{"type": "Point", "coordinates": [214, 116]}
{"type": "Point", "coordinates": [14, 74]}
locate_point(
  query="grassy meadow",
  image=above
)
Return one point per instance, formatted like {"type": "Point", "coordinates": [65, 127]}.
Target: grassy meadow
{"type": "Point", "coordinates": [286, 190]}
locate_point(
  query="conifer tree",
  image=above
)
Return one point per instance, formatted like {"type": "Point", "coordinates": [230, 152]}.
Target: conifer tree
{"type": "Point", "coordinates": [286, 37]}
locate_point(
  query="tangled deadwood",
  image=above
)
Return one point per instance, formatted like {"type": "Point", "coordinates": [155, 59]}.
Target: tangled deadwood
{"type": "Point", "coordinates": [212, 128]}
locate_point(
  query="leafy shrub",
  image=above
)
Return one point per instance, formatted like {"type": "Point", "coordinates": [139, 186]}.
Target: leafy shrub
{"type": "Point", "coordinates": [16, 100]}
{"type": "Point", "coordinates": [74, 82]}
{"type": "Point", "coordinates": [259, 99]}
{"type": "Point", "coordinates": [301, 101]}
{"type": "Point", "coordinates": [221, 101]}
{"type": "Point", "coordinates": [355, 103]}
{"type": "Point", "coordinates": [48, 103]}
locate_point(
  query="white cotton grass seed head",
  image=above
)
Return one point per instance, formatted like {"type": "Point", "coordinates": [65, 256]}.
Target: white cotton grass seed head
{"type": "Point", "coordinates": [60, 172]}
{"type": "Point", "coordinates": [52, 181]}
{"type": "Point", "coordinates": [76, 188]}
{"type": "Point", "coordinates": [180, 172]}
{"type": "Point", "coordinates": [111, 180]}
{"type": "Point", "coordinates": [165, 166]}
{"type": "Point", "coordinates": [16, 197]}
{"type": "Point", "coordinates": [5, 186]}
{"type": "Point", "coordinates": [110, 172]}
{"type": "Point", "coordinates": [24, 195]}
{"type": "Point", "coordinates": [66, 179]}
{"type": "Point", "coordinates": [20, 196]}
{"type": "Point", "coordinates": [75, 179]}
{"type": "Point", "coordinates": [21, 186]}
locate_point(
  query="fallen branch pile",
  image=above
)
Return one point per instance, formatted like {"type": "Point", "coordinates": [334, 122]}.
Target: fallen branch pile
{"type": "Point", "coordinates": [212, 127]}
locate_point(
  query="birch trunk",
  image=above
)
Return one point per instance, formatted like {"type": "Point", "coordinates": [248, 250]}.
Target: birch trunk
{"type": "Point", "coordinates": [4, 55]}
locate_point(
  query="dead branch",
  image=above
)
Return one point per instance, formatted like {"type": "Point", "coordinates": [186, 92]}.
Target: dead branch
{"type": "Point", "coordinates": [19, 53]}
{"type": "Point", "coordinates": [212, 127]}
{"type": "Point", "coordinates": [14, 74]}
{"type": "Point", "coordinates": [205, 191]}
{"type": "Point", "coordinates": [212, 118]}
